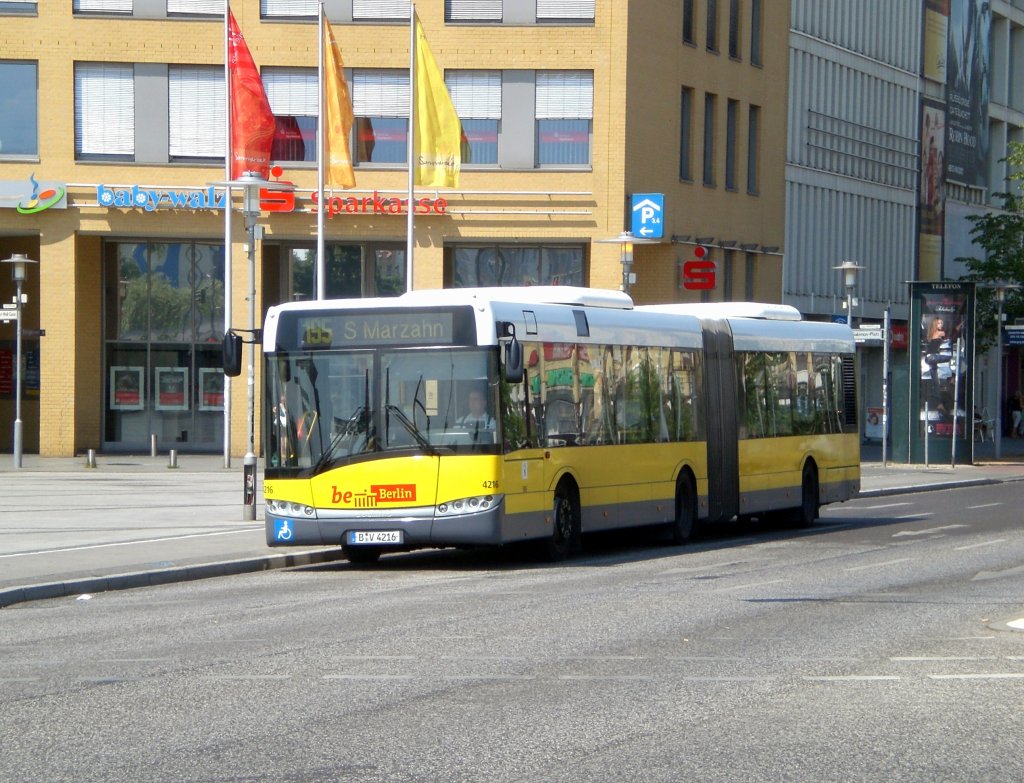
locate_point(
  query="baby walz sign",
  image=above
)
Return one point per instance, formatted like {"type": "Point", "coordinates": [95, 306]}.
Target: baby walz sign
{"type": "Point", "coordinates": [151, 199]}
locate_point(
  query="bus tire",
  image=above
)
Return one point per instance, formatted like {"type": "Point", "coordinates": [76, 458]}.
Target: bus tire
{"type": "Point", "coordinates": [685, 520]}
{"type": "Point", "coordinates": [566, 536]}
{"type": "Point", "coordinates": [810, 501]}
{"type": "Point", "coordinates": [361, 555]}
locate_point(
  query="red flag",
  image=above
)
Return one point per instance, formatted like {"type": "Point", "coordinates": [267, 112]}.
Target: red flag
{"type": "Point", "coordinates": [252, 121]}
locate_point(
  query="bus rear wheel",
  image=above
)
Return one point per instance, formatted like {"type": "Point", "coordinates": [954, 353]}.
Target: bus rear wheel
{"type": "Point", "coordinates": [686, 511]}
{"type": "Point", "coordinates": [810, 502]}
{"type": "Point", "coordinates": [566, 534]}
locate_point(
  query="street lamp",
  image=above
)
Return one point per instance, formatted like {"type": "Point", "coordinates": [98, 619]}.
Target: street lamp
{"type": "Point", "coordinates": [625, 241]}
{"type": "Point", "coordinates": [19, 271]}
{"type": "Point", "coordinates": [251, 184]}
{"type": "Point", "coordinates": [850, 270]}
{"type": "Point", "coordinates": [1000, 290]}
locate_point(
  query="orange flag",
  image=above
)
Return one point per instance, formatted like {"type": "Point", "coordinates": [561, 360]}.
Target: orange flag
{"type": "Point", "coordinates": [338, 118]}
{"type": "Point", "coordinates": [252, 121]}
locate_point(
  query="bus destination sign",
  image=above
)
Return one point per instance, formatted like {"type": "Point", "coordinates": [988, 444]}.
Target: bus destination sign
{"type": "Point", "coordinates": [346, 330]}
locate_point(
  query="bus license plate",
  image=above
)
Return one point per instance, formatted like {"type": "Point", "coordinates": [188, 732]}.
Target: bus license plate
{"type": "Point", "coordinates": [375, 537]}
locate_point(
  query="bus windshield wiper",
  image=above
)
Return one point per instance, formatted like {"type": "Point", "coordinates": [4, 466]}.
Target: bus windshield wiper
{"type": "Point", "coordinates": [411, 429]}
{"type": "Point", "coordinates": [356, 424]}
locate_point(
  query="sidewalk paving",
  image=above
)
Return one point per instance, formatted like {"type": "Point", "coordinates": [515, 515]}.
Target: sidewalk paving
{"type": "Point", "coordinates": [67, 529]}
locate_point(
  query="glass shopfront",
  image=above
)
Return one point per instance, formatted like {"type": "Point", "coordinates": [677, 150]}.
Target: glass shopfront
{"type": "Point", "coordinates": [163, 323]}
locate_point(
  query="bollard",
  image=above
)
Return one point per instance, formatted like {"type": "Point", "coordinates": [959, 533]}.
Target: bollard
{"type": "Point", "coordinates": [172, 458]}
{"type": "Point", "coordinates": [90, 458]}
{"type": "Point", "coordinates": [152, 445]}
{"type": "Point", "coordinates": [249, 487]}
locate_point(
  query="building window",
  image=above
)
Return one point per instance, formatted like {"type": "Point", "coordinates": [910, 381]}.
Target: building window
{"type": "Point", "coordinates": [196, 122]}
{"type": "Point", "coordinates": [472, 266]}
{"type": "Point", "coordinates": [686, 134]}
{"type": "Point", "coordinates": [749, 276]}
{"type": "Point", "coordinates": [380, 102]}
{"type": "Point", "coordinates": [12, 7]}
{"type": "Point", "coordinates": [292, 93]}
{"type": "Point", "coordinates": [565, 108]}
{"type": "Point", "coordinates": [196, 7]}
{"type": "Point", "coordinates": [565, 10]}
{"type": "Point", "coordinates": [753, 143]}
{"type": "Point", "coordinates": [472, 10]}
{"type": "Point", "coordinates": [19, 108]}
{"type": "Point", "coordinates": [755, 32]}
{"type": "Point", "coordinates": [164, 319]}
{"type": "Point", "coordinates": [728, 275]}
{"type": "Point", "coordinates": [688, 33]}
{"type": "Point", "coordinates": [380, 10]}
{"type": "Point", "coordinates": [289, 8]}
{"type": "Point", "coordinates": [712, 26]}
{"type": "Point", "coordinates": [709, 139]}
{"type": "Point", "coordinates": [734, 29]}
{"type": "Point", "coordinates": [477, 99]}
{"type": "Point", "coordinates": [732, 109]}
{"type": "Point", "coordinates": [353, 271]}
{"type": "Point", "coordinates": [104, 110]}
{"type": "Point", "coordinates": [102, 6]}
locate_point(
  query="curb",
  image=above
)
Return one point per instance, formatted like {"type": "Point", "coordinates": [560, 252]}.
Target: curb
{"type": "Point", "coordinates": [102, 584]}
{"type": "Point", "coordinates": [915, 488]}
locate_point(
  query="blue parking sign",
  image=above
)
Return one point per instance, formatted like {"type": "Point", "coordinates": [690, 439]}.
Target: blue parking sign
{"type": "Point", "coordinates": [648, 215]}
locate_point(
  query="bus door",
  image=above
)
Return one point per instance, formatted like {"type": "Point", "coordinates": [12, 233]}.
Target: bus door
{"type": "Point", "coordinates": [523, 481]}
{"type": "Point", "coordinates": [722, 429]}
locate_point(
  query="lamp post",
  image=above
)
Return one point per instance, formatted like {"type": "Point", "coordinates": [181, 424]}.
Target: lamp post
{"type": "Point", "coordinates": [626, 241]}
{"type": "Point", "coordinates": [1000, 290]}
{"type": "Point", "coordinates": [19, 271]}
{"type": "Point", "coordinates": [251, 184]}
{"type": "Point", "coordinates": [850, 270]}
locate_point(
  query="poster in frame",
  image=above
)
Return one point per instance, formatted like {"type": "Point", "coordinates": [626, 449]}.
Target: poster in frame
{"type": "Point", "coordinates": [127, 388]}
{"type": "Point", "coordinates": [172, 388]}
{"type": "Point", "coordinates": [211, 389]}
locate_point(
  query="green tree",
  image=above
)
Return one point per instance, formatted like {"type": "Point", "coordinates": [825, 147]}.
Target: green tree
{"type": "Point", "coordinates": [1000, 234]}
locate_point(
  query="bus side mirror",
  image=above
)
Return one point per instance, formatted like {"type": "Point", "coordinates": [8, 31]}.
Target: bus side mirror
{"type": "Point", "coordinates": [513, 353]}
{"type": "Point", "coordinates": [231, 354]}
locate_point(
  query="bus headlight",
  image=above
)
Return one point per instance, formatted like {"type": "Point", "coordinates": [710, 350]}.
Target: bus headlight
{"type": "Point", "coordinates": [286, 508]}
{"type": "Point", "coordinates": [472, 505]}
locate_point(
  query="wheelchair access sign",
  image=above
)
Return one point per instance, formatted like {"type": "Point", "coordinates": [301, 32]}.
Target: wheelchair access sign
{"type": "Point", "coordinates": [647, 215]}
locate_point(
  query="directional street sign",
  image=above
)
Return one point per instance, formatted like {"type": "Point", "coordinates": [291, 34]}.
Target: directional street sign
{"type": "Point", "coordinates": [647, 215]}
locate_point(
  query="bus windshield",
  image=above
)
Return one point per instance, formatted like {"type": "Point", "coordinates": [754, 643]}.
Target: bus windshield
{"type": "Point", "coordinates": [328, 407]}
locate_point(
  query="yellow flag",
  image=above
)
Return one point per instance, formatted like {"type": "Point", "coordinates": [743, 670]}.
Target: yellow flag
{"type": "Point", "coordinates": [338, 119]}
{"type": "Point", "coordinates": [437, 131]}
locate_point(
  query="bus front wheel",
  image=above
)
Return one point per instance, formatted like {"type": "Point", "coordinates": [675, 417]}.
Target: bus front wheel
{"type": "Point", "coordinates": [566, 534]}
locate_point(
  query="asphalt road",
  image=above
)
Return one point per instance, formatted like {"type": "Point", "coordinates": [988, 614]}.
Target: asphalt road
{"type": "Point", "coordinates": [871, 647]}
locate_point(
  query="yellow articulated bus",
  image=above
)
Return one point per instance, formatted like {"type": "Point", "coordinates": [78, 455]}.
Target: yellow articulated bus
{"type": "Point", "coordinates": [483, 417]}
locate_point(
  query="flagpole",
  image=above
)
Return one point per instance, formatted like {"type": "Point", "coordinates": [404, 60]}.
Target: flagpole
{"type": "Point", "coordinates": [227, 233]}
{"type": "Point", "coordinates": [321, 258]}
{"type": "Point", "coordinates": [409, 240]}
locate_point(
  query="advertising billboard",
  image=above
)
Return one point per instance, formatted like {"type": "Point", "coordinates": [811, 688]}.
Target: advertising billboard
{"type": "Point", "coordinates": [967, 91]}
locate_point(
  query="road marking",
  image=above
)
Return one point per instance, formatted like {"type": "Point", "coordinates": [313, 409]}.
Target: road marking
{"type": "Point", "coordinates": [855, 678]}
{"type": "Point", "coordinates": [1017, 624]}
{"type": "Point", "coordinates": [249, 677]}
{"type": "Point", "coordinates": [992, 676]}
{"type": "Point", "coordinates": [925, 532]}
{"type": "Point", "coordinates": [19, 679]}
{"type": "Point", "coordinates": [874, 508]}
{"type": "Point", "coordinates": [916, 515]}
{"type": "Point", "coordinates": [369, 676]}
{"type": "Point", "coordinates": [984, 505]}
{"type": "Point", "coordinates": [880, 565]}
{"type": "Point", "coordinates": [609, 677]}
{"type": "Point", "coordinates": [247, 529]}
{"type": "Point", "coordinates": [489, 676]}
{"type": "Point", "coordinates": [983, 543]}
{"type": "Point", "coordinates": [923, 658]}
{"type": "Point", "coordinates": [750, 585]}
